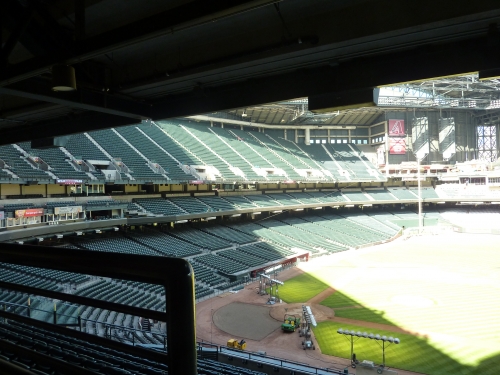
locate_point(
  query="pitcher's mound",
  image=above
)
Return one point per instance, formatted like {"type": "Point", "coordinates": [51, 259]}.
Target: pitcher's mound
{"type": "Point", "coordinates": [243, 320]}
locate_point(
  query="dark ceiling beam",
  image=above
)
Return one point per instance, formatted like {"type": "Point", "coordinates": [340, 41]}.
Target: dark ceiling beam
{"type": "Point", "coordinates": [21, 24]}
{"type": "Point", "coordinates": [43, 35]}
{"type": "Point", "coordinates": [430, 61]}
{"type": "Point", "coordinates": [83, 99]}
{"type": "Point", "coordinates": [437, 60]}
{"type": "Point", "coordinates": [79, 19]}
{"type": "Point", "coordinates": [192, 14]}
{"type": "Point", "coordinates": [66, 125]}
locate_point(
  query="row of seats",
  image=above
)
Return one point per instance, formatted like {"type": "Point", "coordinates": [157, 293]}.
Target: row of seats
{"type": "Point", "coordinates": [77, 353]}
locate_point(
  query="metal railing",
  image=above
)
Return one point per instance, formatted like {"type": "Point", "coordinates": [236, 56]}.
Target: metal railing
{"type": "Point", "coordinates": [174, 274]}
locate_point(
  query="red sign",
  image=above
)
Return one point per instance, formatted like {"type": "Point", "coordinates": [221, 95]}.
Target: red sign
{"type": "Point", "coordinates": [397, 146]}
{"type": "Point", "coordinates": [397, 128]}
{"type": "Point", "coordinates": [31, 212]}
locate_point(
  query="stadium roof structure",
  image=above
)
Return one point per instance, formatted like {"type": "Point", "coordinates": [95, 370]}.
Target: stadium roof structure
{"type": "Point", "coordinates": [138, 60]}
{"type": "Point", "coordinates": [466, 92]}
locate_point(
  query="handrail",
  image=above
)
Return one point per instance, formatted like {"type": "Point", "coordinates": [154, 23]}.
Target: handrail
{"type": "Point", "coordinates": [174, 274]}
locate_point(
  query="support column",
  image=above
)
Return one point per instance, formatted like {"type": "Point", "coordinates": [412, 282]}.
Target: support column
{"type": "Point", "coordinates": [307, 139]}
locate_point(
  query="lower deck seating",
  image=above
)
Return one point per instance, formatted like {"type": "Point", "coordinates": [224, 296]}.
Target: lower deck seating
{"type": "Point", "coordinates": [25, 341]}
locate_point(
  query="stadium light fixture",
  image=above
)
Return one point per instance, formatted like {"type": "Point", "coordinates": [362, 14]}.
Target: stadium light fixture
{"type": "Point", "coordinates": [63, 78]}
{"type": "Point", "coordinates": [386, 341]}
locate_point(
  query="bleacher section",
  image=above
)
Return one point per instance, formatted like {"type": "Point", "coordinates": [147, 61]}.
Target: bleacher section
{"type": "Point", "coordinates": [159, 206]}
{"type": "Point", "coordinates": [427, 192]}
{"type": "Point", "coordinates": [201, 239]}
{"type": "Point", "coordinates": [355, 196]}
{"type": "Point", "coordinates": [217, 203]}
{"type": "Point", "coordinates": [118, 149]}
{"type": "Point", "coordinates": [19, 165]}
{"type": "Point", "coordinates": [191, 138]}
{"type": "Point", "coordinates": [74, 354]}
{"type": "Point", "coordinates": [165, 244]}
{"type": "Point", "coordinates": [219, 142]}
{"type": "Point", "coordinates": [172, 145]}
{"type": "Point", "coordinates": [402, 193]}
{"type": "Point", "coordinates": [229, 234]}
{"type": "Point", "coordinates": [380, 195]}
{"type": "Point", "coordinates": [274, 153]}
{"type": "Point", "coordinates": [57, 160]}
{"type": "Point", "coordinates": [137, 137]}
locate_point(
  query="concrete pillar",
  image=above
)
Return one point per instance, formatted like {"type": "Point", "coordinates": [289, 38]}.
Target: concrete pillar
{"type": "Point", "coordinates": [307, 137]}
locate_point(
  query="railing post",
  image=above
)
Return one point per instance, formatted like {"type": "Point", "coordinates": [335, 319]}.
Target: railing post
{"type": "Point", "coordinates": [55, 314]}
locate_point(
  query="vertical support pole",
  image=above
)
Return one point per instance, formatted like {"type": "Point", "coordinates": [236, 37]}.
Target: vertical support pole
{"type": "Point", "coordinates": [352, 346]}
{"type": "Point", "coordinates": [29, 308]}
{"type": "Point", "coordinates": [386, 148]}
{"type": "Point", "coordinates": [383, 353]}
{"type": "Point", "coordinates": [181, 323]}
{"type": "Point", "coordinates": [420, 221]}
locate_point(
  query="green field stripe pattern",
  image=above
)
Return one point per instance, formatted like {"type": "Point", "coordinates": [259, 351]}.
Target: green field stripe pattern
{"type": "Point", "coordinates": [301, 288]}
{"type": "Point", "coordinates": [414, 353]}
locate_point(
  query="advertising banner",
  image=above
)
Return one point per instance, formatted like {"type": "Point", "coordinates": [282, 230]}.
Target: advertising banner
{"type": "Point", "coordinates": [397, 128]}
{"type": "Point", "coordinates": [70, 182]}
{"type": "Point", "coordinates": [2, 215]}
{"type": "Point", "coordinates": [397, 146]}
{"type": "Point", "coordinates": [67, 210]}
{"type": "Point", "coordinates": [31, 212]}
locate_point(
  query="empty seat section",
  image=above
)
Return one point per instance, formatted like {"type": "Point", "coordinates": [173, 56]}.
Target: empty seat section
{"type": "Point", "coordinates": [427, 192]}
{"type": "Point", "coordinates": [57, 160]}
{"type": "Point", "coordinates": [117, 245]}
{"type": "Point", "coordinates": [284, 199]}
{"type": "Point", "coordinates": [159, 206]}
{"type": "Point", "coordinates": [207, 275]}
{"type": "Point", "coordinates": [355, 195]}
{"type": "Point", "coordinates": [191, 205]}
{"type": "Point", "coordinates": [154, 153]}
{"type": "Point", "coordinates": [230, 235]}
{"type": "Point", "coordinates": [261, 200]}
{"type": "Point", "coordinates": [305, 198]}
{"type": "Point", "coordinates": [192, 137]}
{"type": "Point", "coordinates": [118, 149]}
{"type": "Point", "coordinates": [239, 256]}
{"type": "Point", "coordinates": [220, 142]}
{"type": "Point", "coordinates": [201, 239]}
{"type": "Point", "coordinates": [165, 244]}
{"type": "Point", "coordinates": [380, 195]}
{"type": "Point", "coordinates": [19, 165]}
{"type": "Point", "coordinates": [275, 154]}
{"type": "Point", "coordinates": [402, 193]}
{"type": "Point", "coordinates": [240, 201]}
{"type": "Point", "coordinates": [220, 263]}
{"type": "Point", "coordinates": [217, 203]}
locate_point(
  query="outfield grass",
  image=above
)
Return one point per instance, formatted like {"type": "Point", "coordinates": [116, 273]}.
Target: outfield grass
{"type": "Point", "coordinates": [414, 353]}
{"type": "Point", "coordinates": [301, 288]}
{"type": "Point", "coordinates": [445, 288]}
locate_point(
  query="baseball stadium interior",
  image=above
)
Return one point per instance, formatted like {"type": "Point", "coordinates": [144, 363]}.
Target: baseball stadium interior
{"type": "Point", "coordinates": [160, 155]}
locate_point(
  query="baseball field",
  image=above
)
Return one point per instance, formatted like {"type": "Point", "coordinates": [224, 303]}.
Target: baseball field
{"type": "Point", "coordinates": [439, 294]}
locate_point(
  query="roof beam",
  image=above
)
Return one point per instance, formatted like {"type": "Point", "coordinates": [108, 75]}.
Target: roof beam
{"type": "Point", "coordinates": [81, 99]}
{"type": "Point", "coordinates": [66, 125]}
{"type": "Point", "coordinates": [192, 14]}
{"type": "Point", "coordinates": [445, 59]}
